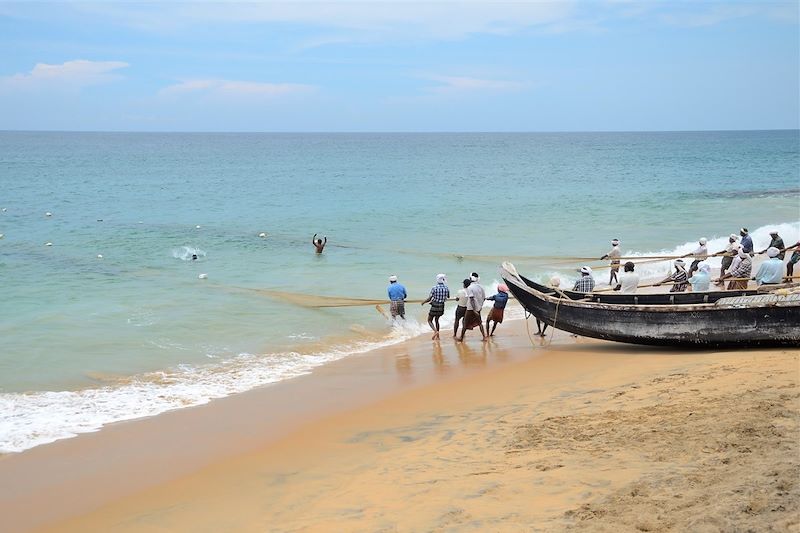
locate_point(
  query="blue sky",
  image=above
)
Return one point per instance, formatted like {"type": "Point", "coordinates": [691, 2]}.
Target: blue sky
{"type": "Point", "coordinates": [399, 66]}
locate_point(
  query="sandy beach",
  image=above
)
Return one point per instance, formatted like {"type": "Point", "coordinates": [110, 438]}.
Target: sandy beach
{"type": "Point", "coordinates": [516, 434]}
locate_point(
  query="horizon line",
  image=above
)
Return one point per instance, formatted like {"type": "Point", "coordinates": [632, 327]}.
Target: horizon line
{"type": "Point", "coordinates": [385, 132]}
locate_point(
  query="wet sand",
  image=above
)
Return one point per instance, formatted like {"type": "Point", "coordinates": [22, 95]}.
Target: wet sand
{"type": "Point", "coordinates": [509, 435]}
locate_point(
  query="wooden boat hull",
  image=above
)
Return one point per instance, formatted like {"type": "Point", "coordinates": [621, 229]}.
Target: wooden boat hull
{"type": "Point", "coordinates": [702, 325]}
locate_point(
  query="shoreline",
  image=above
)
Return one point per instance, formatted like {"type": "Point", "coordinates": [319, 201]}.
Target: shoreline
{"type": "Point", "coordinates": [311, 426]}
{"type": "Point", "coordinates": [226, 426]}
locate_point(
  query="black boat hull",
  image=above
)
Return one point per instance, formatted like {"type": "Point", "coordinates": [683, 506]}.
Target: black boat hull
{"type": "Point", "coordinates": [703, 325]}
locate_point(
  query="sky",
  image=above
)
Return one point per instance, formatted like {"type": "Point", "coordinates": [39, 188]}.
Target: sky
{"type": "Point", "coordinates": [485, 65]}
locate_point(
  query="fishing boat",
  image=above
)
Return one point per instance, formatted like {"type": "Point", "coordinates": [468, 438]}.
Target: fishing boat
{"type": "Point", "coordinates": [750, 319]}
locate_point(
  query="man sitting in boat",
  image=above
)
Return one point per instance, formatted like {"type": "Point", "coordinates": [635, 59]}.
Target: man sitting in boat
{"type": "Point", "coordinates": [740, 271]}
{"type": "Point", "coordinates": [678, 278]}
{"type": "Point", "coordinates": [728, 254]}
{"type": "Point", "coordinates": [586, 282]}
{"type": "Point", "coordinates": [702, 278]}
{"type": "Point", "coordinates": [777, 243]}
{"type": "Point", "coordinates": [699, 254]}
{"type": "Point", "coordinates": [628, 280]}
{"type": "Point", "coordinates": [771, 270]}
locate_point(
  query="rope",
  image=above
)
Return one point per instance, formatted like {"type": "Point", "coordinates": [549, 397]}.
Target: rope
{"type": "Point", "coordinates": [527, 327]}
{"type": "Point", "coordinates": [555, 317]}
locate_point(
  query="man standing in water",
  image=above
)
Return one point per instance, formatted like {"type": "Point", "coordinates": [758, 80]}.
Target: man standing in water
{"type": "Point", "coordinates": [438, 296]}
{"type": "Point", "coordinates": [461, 306]}
{"type": "Point", "coordinates": [614, 255]}
{"type": "Point", "coordinates": [475, 298]}
{"type": "Point", "coordinates": [397, 296]}
{"type": "Point", "coordinates": [319, 244]}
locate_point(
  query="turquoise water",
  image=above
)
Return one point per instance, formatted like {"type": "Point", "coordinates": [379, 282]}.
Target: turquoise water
{"type": "Point", "coordinates": [88, 340]}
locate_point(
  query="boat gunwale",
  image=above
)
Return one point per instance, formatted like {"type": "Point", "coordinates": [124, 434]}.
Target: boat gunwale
{"type": "Point", "coordinates": [660, 308]}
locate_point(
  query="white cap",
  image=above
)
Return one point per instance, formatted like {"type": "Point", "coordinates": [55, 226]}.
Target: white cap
{"type": "Point", "coordinates": [679, 262]}
{"type": "Point", "coordinates": [392, 278]}
{"type": "Point", "coordinates": [772, 251]}
{"type": "Point", "coordinates": [586, 270]}
{"type": "Point", "coordinates": [703, 240]}
{"type": "Point", "coordinates": [734, 237]}
{"type": "Point", "coordinates": [441, 278]}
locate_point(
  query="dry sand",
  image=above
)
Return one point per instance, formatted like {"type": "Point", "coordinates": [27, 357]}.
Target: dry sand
{"type": "Point", "coordinates": [498, 437]}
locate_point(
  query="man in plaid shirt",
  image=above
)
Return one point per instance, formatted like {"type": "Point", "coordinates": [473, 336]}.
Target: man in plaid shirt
{"type": "Point", "coordinates": [586, 282]}
{"type": "Point", "coordinates": [438, 296]}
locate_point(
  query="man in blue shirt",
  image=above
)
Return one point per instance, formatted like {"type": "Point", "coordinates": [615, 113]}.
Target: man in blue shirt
{"type": "Point", "coordinates": [397, 295]}
{"type": "Point", "coordinates": [771, 270]}
{"type": "Point", "coordinates": [747, 241]}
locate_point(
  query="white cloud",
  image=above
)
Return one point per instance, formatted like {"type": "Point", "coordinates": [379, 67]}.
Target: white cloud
{"type": "Point", "coordinates": [462, 84]}
{"type": "Point", "coordinates": [76, 73]}
{"type": "Point", "coordinates": [235, 88]}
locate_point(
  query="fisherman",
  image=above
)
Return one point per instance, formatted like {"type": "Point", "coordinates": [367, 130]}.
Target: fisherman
{"type": "Point", "coordinates": [614, 254]}
{"type": "Point", "coordinates": [771, 271]}
{"type": "Point", "coordinates": [541, 327]}
{"type": "Point", "coordinates": [496, 313]}
{"type": "Point", "coordinates": [475, 298]}
{"type": "Point", "coordinates": [461, 306]}
{"type": "Point", "coordinates": [776, 243]}
{"type": "Point", "coordinates": [747, 241]}
{"type": "Point", "coordinates": [700, 254]}
{"type": "Point", "coordinates": [728, 254]}
{"type": "Point", "coordinates": [319, 244]}
{"type": "Point", "coordinates": [792, 261]}
{"type": "Point", "coordinates": [586, 282]}
{"type": "Point", "coordinates": [702, 279]}
{"type": "Point", "coordinates": [740, 271]}
{"type": "Point", "coordinates": [678, 278]}
{"type": "Point", "coordinates": [438, 296]}
{"type": "Point", "coordinates": [628, 280]}
{"type": "Point", "coordinates": [397, 295]}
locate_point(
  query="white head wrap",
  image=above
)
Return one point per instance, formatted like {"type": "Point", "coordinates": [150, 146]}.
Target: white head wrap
{"type": "Point", "coordinates": [772, 251]}
{"type": "Point", "coordinates": [586, 270]}
{"type": "Point", "coordinates": [679, 263]}
{"type": "Point", "coordinates": [703, 240]}
{"type": "Point", "coordinates": [555, 281]}
{"type": "Point", "coordinates": [441, 278]}
{"type": "Point", "coordinates": [615, 242]}
{"type": "Point", "coordinates": [392, 278]}
{"type": "Point", "coordinates": [734, 237]}
{"type": "Point", "coordinates": [704, 267]}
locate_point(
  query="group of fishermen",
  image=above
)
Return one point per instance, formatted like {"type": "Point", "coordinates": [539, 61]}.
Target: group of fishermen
{"type": "Point", "coordinates": [737, 266]}
{"type": "Point", "coordinates": [469, 300]}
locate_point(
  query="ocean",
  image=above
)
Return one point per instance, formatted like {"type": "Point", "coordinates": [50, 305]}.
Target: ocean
{"type": "Point", "coordinates": [105, 317]}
